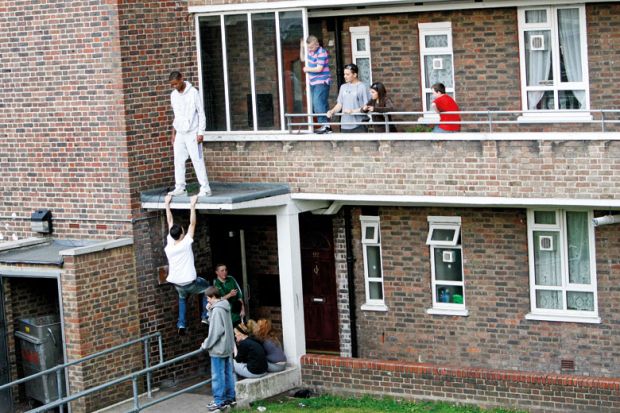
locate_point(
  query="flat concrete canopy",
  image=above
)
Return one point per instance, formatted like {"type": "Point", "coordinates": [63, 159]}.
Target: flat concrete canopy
{"type": "Point", "coordinates": [226, 197]}
{"type": "Point", "coordinates": [46, 251]}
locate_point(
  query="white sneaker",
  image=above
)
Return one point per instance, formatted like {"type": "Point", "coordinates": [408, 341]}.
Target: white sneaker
{"type": "Point", "coordinates": [177, 192]}
{"type": "Point", "coordinates": [204, 192]}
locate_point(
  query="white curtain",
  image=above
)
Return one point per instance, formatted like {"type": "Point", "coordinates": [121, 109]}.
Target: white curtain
{"type": "Point", "coordinates": [570, 47]}
{"type": "Point", "coordinates": [438, 75]}
{"type": "Point", "coordinates": [548, 271]}
{"type": "Point", "coordinates": [578, 247]}
{"type": "Point", "coordinates": [538, 66]}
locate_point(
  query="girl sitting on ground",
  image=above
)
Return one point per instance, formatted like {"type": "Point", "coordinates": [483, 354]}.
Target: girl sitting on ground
{"type": "Point", "coordinates": [250, 360]}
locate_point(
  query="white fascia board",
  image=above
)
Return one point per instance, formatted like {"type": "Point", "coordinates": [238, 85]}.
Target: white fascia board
{"type": "Point", "coordinates": [459, 201]}
{"type": "Point", "coordinates": [98, 247]}
{"type": "Point", "coordinates": [29, 272]}
{"type": "Point", "coordinates": [271, 201]}
{"type": "Point", "coordinates": [26, 242]}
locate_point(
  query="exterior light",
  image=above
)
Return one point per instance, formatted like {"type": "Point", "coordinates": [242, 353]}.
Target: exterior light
{"type": "Point", "coordinates": [41, 221]}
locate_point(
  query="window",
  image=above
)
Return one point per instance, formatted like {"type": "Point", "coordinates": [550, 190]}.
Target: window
{"type": "Point", "coordinates": [553, 52]}
{"type": "Point", "coordinates": [250, 74]}
{"type": "Point", "coordinates": [360, 50]}
{"type": "Point", "coordinates": [562, 266]}
{"type": "Point", "coordinates": [373, 268]}
{"type": "Point", "coordinates": [436, 57]}
{"type": "Point", "coordinates": [447, 284]}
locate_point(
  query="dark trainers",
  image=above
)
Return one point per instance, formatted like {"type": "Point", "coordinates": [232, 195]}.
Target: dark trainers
{"type": "Point", "coordinates": [231, 403]}
{"type": "Point", "coordinates": [181, 331]}
{"type": "Point", "coordinates": [205, 321]}
{"type": "Point", "coordinates": [214, 407]}
{"type": "Point", "coordinates": [323, 129]}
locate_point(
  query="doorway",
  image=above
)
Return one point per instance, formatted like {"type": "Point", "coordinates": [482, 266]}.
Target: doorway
{"type": "Point", "coordinates": [319, 284]}
{"type": "Point", "coordinates": [6, 401]}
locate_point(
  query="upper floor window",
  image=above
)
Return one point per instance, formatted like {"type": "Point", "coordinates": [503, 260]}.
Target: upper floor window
{"type": "Point", "coordinates": [360, 52]}
{"type": "Point", "coordinates": [562, 266]}
{"type": "Point", "coordinates": [373, 266]}
{"type": "Point", "coordinates": [553, 51]}
{"type": "Point", "coordinates": [436, 57]}
{"type": "Point", "coordinates": [447, 282]}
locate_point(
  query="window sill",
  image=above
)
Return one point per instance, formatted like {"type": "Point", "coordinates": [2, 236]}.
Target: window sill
{"type": "Point", "coordinates": [448, 311]}
{"type": "Point", "coordinates": [374, 307]}
{"type": "Point", "coordinates": [563, 318]}
{"type": "Point", "coordinates": [555, 117]}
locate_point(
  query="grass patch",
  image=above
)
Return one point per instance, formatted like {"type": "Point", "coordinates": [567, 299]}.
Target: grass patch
{"type": "Point", "coordinates": [367, 404]}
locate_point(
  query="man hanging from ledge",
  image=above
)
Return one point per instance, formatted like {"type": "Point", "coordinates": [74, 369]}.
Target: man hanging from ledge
{"type": "Point", "coordinates": [187, 134]}
{"type": "Point", "coordinates": [181, 269]}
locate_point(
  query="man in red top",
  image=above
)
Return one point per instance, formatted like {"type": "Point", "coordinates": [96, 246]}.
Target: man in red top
{"type": "Point", "coordinates": [445, 103]}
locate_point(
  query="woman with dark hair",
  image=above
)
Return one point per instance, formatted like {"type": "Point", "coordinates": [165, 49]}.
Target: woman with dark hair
{"type": "Point", "coordinates": [250, 360]}
{"type": "Point", "coordinates": [352, 96]}
{"type": "Point", "coordinates": [379, 103]}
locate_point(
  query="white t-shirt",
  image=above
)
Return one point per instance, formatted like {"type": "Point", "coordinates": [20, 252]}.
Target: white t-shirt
{"type": "Point", "coordinates": [181, 268]}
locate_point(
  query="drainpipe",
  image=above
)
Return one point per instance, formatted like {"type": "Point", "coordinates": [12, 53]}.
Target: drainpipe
{"type": "Point", "coordinates": [351, 279]}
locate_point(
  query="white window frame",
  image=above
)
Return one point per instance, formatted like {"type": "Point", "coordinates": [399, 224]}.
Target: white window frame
{"type": "Point", "coordinates": [439, 222]}
{"type": "Point", "coordinates": [372, 304]}
{"type": "Point", "coordinates": [560, 227]}
{"type": "Point", "coordinates": [434, 29]}
{"type": "Point", "coordinates": [556, 115]}
{"type": "Point", "coordinates": [361, 32]}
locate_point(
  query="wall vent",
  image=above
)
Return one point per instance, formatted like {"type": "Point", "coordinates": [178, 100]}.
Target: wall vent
{"type": "Point", "coordinates": [537, 42]}
{"type": "Point", "coordinates": [567, 365]}
{"type": "Point", "coordinates": [545, 243]}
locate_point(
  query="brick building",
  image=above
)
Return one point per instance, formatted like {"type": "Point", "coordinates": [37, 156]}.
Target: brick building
{"type": "Point", "coordinates": [462, 268]}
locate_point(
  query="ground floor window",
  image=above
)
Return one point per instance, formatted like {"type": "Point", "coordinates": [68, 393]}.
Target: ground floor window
{"type": "Point", "coordinates": [373, 266]}
{"type": "Point", "coordinates": [562, 265]}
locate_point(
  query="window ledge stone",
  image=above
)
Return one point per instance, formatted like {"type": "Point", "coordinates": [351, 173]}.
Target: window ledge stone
{"type": "Point", "coordinates": [374, 307]}
{"type": "Point", "coordinates": [563, 318]}
{"type": "Point", "coordinates": [555, 117]}
{"type": "Point", "coordinates": [464, 312]}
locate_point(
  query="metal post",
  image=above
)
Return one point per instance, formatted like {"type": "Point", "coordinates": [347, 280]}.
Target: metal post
{"type": "Point", "coordinates": [489, 116]}
{"type": "Point", "coordinates": [387, 123]}
{"type": "Point", "coordinates": [147, 364]}
{"type": "Point", "coordinates": [602, 121]}
{"type": "Point", "coordinates": [59, 388]}
{"type": "Point", "coordinates": [161, 349]}
{"type": "Point", "coordinates": [136, 403]}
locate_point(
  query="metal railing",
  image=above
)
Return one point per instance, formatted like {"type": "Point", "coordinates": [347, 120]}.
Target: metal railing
{"type": "Point", "coordinates": [60, 369]}
{"type": "Point", "coordinates": [137, 407]}
{"type": "Point", "coordinates": [488, 118]}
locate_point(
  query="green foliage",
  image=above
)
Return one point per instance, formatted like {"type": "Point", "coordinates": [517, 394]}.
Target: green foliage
{"type": "Point", "coordinates": [367, 404]}
{"type": "Point", "coordinates": [419, 128]}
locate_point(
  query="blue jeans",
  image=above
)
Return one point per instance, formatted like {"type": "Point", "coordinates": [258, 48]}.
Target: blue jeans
{"type": "Point", "coordinates": [320, 104]}
{"type": "Point", "coordinates": [222, 379]}
{"type": "Point", "coordinates": [198, 286]}
{"type": "Point", "coordinates": [437, 129]}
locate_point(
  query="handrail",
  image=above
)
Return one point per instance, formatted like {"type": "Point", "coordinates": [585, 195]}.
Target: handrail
{"type": "Point", "coordinates": [134, 378]}
{"type": "Point", "coordinates": [59, 369]}
{"type": "Point", "coordinates": [489, 118]}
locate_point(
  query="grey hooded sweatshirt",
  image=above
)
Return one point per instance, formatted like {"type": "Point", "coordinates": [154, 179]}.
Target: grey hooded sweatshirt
{"type": "Point", "coordinates": [221, 340]}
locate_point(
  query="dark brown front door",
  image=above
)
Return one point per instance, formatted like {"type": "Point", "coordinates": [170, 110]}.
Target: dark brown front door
{"type": "Point", "coordinates": [319, 284]}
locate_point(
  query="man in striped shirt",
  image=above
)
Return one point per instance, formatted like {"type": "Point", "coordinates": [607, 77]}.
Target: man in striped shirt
{"type": "Point", "coordinates": [317, 68]}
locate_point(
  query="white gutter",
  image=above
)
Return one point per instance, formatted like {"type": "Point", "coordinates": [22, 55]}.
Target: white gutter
{"type": "Point", "coordinates": [277, 200]}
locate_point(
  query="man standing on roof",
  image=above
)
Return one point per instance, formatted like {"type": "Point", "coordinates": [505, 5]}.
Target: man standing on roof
{"type": "Point", "coordinates": [317, 68]}
{"type": "Point", "coordinates": [187, 133]}
{"type": "Point", "coordinates": [445, 103]}
{"type": "Point", "coordinates": [181, 270]}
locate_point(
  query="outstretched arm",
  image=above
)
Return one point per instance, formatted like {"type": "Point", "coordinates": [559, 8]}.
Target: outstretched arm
{"type": "Point", "coordinates": [192, 217]}
{"type": "Point", "coordinates": [169, 217]}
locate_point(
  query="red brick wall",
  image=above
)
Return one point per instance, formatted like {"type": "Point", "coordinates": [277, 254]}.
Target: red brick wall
{"type": "Point", "coordinates": [101, 310]}
{"type": "Point", "coordinates": [496, 334]}
{"type": "Point", "coordinates": [535, 392]}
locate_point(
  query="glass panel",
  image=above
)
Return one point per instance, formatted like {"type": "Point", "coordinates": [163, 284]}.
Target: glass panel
{"type": "Point", "coordinates": [442, 234]}
{"type": "Point", "coordinates": [572, 99]}
{"type": "Point", "coordinates": [538, 60]}
{"type": "Point", "coordinates": [536, 16]}
{"type": "Point", "coordinates": [375, 290]}
{"type": "Point", "coordinates": [449, 294]}
{"type": "Point", "coordinates": [373, 261]}
{"type": "Point", "coordinates": [436, 40]}
{"type": "Point", "coordinates": [369, 233]}
{"type": "Point", "coordinates": [570, 45]}
{"type": "Point", "coordinates": [266, 71]}
{"type": "Point", "coordinates": [291, 31]}
{"type": "Point", "coordinates": [448, 264]}
{"type": "Point", "coordinates": [363, 66]}
{"type": "Point", "coordinates": [541, 100]}
{"type": "Point", "coordinates": [433, 74]}
{"type": "Point", "coordinates": [549, 299]}
{"type": "Point", "coordinates": [544, 217]}
{"type": "Point", "coordinates": [212, 73]}
{"type": "Point", "coordinates": [577, 228]}
{"type": "Point", "coordinates": [361, 45]}
{"type": "Point", "coordinates": [580, 301]}
{"type": "Point", "coordinates": [238, 59]}
{"type": "Point", "coordinates": [547, 260]}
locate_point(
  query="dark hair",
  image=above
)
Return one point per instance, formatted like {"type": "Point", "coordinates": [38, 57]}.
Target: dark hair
{"type": "Point", "coordinates": [439, 87]}
{"type": "Point", "coordinates": [242, 329]}
{"type": "Point", "coordinates": [352, 67]}
{"type": "Point", "coordinates": [380, 88]}
{"type": "Point", "coordinates": [175, 75]}
{"type": "Point", "coordinates": [212, 292]}
{"type": "Point", "coordinates": [175, 231]}
{"type": "Point", "coordinates": [218, 265]}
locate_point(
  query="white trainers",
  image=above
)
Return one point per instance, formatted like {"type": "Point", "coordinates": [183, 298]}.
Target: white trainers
{"type": "Point", "coordinates": [177, 192]}
{"type": "Point", "coordinates": [204, 192]}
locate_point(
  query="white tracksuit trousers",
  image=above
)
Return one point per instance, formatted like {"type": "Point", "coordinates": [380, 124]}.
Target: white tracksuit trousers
{"type": "Point", "coordinates": [185, 146]}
